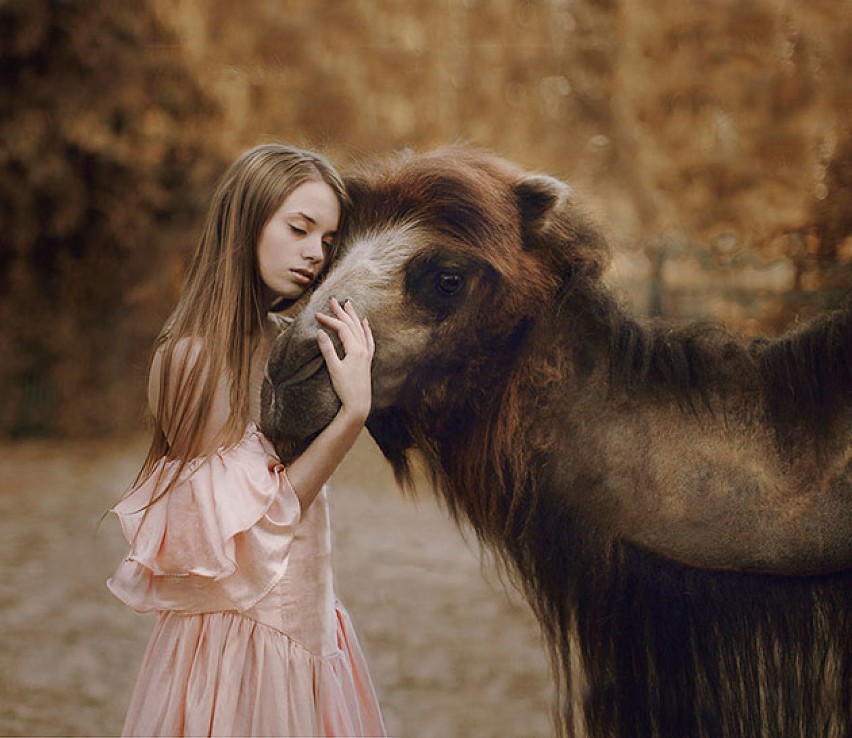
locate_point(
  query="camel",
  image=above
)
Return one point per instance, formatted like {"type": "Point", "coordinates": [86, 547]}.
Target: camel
{"type": "Point", "coordinates": [674, 501]}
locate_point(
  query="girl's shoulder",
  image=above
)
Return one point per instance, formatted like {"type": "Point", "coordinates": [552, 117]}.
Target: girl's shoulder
{"type": "Point", "coordinates": [183, 352]}
{"type": "Point", "coordinates": [180, 385]}
{"type": "Point", "coordinates": [174, 364]}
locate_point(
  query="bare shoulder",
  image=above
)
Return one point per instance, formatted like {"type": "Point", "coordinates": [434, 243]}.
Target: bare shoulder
{"type": "Point", "coordinates": [179, 385]}
{"type": "Point", "coordinates": [184, 355]}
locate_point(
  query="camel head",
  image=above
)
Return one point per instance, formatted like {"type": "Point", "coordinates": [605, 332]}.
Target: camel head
{"type": "Point", "coordinates": [450, 255]}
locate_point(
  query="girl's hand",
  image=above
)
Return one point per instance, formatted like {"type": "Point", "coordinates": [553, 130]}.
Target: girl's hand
{"type": "Point", "coordinates": [350, 376]}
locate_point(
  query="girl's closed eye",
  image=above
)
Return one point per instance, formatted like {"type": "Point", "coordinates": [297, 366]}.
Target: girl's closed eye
{"type": "Point", "coordinates": [298, 231]}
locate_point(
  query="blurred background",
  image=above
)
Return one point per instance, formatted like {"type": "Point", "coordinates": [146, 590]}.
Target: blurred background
{"type": "Point", "coordinates": [712, 139]}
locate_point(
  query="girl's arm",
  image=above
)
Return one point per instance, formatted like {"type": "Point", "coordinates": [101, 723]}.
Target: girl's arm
{"type": "Point", "coordinates": [350, 377]}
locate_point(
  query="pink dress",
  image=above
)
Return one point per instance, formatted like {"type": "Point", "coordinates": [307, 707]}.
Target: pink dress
{"type": "Point", "coordinates": [249, 639]}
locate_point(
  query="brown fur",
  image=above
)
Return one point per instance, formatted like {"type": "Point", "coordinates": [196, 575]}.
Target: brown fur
{"type": "Point", "coordinates": [674, 502]}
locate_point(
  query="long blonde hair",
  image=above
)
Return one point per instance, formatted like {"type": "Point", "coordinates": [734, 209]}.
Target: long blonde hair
{"type": "Point", "coordinates": [220, 307]}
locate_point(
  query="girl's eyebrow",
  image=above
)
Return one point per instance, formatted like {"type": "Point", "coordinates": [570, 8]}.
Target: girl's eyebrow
{"type": "Point", "coordinates": [311, 220]}
{"type": "Point", "coordinates": [306, 217]}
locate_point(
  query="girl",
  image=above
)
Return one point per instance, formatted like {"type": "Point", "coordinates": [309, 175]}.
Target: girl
{"type": "Point", "coordinates": [232, 550]}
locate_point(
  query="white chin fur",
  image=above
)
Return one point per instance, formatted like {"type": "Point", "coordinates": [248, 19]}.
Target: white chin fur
{"type": "Point", "coordinates": [372, 275]}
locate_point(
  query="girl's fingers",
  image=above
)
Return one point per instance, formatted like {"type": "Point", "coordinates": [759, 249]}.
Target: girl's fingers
{"type": "Point", "coordinates": [330, 321]}
{"type": "Point", "coordinates": [340, 326]}
{"type": "Point", "coordinates": [342, 330]}
{"type": "Point", "coordinates": [371, 342]}
{"type": "Point", "coordinates": [350, 375]}
{"type": "Point", "coordinates": [347, 313]}
{"type": "Point", "coordinates": [348, 326]}
{"type": "Point", "coordinates": [343, 317]}
{"type": "Point", "coordinates": [349, 309]}
{"type": "Point", "coordinates": [326, 347]}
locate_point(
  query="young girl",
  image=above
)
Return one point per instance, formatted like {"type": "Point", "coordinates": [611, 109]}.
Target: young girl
{"type": "Point", "coordinates": [232, 550]}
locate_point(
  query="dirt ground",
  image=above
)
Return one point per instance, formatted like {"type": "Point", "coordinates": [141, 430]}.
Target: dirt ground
{"type": "Point", "coordinates": [452, 653]}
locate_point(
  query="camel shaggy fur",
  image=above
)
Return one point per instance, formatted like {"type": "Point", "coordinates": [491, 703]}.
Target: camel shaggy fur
{"type": "Point", "coordinates": [675, 502]}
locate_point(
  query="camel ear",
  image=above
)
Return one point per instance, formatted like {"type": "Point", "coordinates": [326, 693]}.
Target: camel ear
{"type": "Point", "coordinates": [551, 223]}
{"type": "Point", "coordinates": [538, 196]}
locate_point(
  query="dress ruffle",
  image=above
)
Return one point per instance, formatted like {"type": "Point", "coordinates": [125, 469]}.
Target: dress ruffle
{"type": "Point", "coordinates": [219, 539]}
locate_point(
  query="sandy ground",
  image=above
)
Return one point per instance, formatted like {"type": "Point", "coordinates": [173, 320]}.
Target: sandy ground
{"type": "Point", "coordinates": [452, 653]}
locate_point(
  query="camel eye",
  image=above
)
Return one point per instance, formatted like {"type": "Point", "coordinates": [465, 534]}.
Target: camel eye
{"type": "Point", "coordinates": [449, 283]}
{"type": "Point", "coordinates": [440, 285]}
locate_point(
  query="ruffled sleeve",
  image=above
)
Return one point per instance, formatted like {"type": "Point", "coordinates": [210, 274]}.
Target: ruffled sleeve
{"type": "Point", "coordinates": [219, 540]}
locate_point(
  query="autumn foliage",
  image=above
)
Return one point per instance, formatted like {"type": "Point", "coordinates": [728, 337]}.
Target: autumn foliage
{"type": "Point", "coordinates": [106, 157]}
{"type": "Point", "coordinates": [712, 138]}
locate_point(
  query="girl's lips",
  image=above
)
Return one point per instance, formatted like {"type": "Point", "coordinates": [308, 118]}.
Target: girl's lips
{"type": "Point", "coordinates": [302, 277]}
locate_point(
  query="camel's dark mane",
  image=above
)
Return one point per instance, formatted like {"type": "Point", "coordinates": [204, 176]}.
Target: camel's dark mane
{"type": "Point", "coordinates": [668, 650]}
{"type": "Point", "coordinates": [803, 379]}
{"type": "Point", "coordinates": [637, 615]}
{"type": "Point", "coordinates": [808, 374]}
{"type": "Point", "coordinates": [673, 651]}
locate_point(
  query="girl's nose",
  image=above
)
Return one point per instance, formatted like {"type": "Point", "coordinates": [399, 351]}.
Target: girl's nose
{"type": "Point", "coordinates": [314, 249]}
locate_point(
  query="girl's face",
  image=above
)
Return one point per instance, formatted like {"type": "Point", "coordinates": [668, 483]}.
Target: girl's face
{"type": "Point", "coordinates": [294, 243]}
